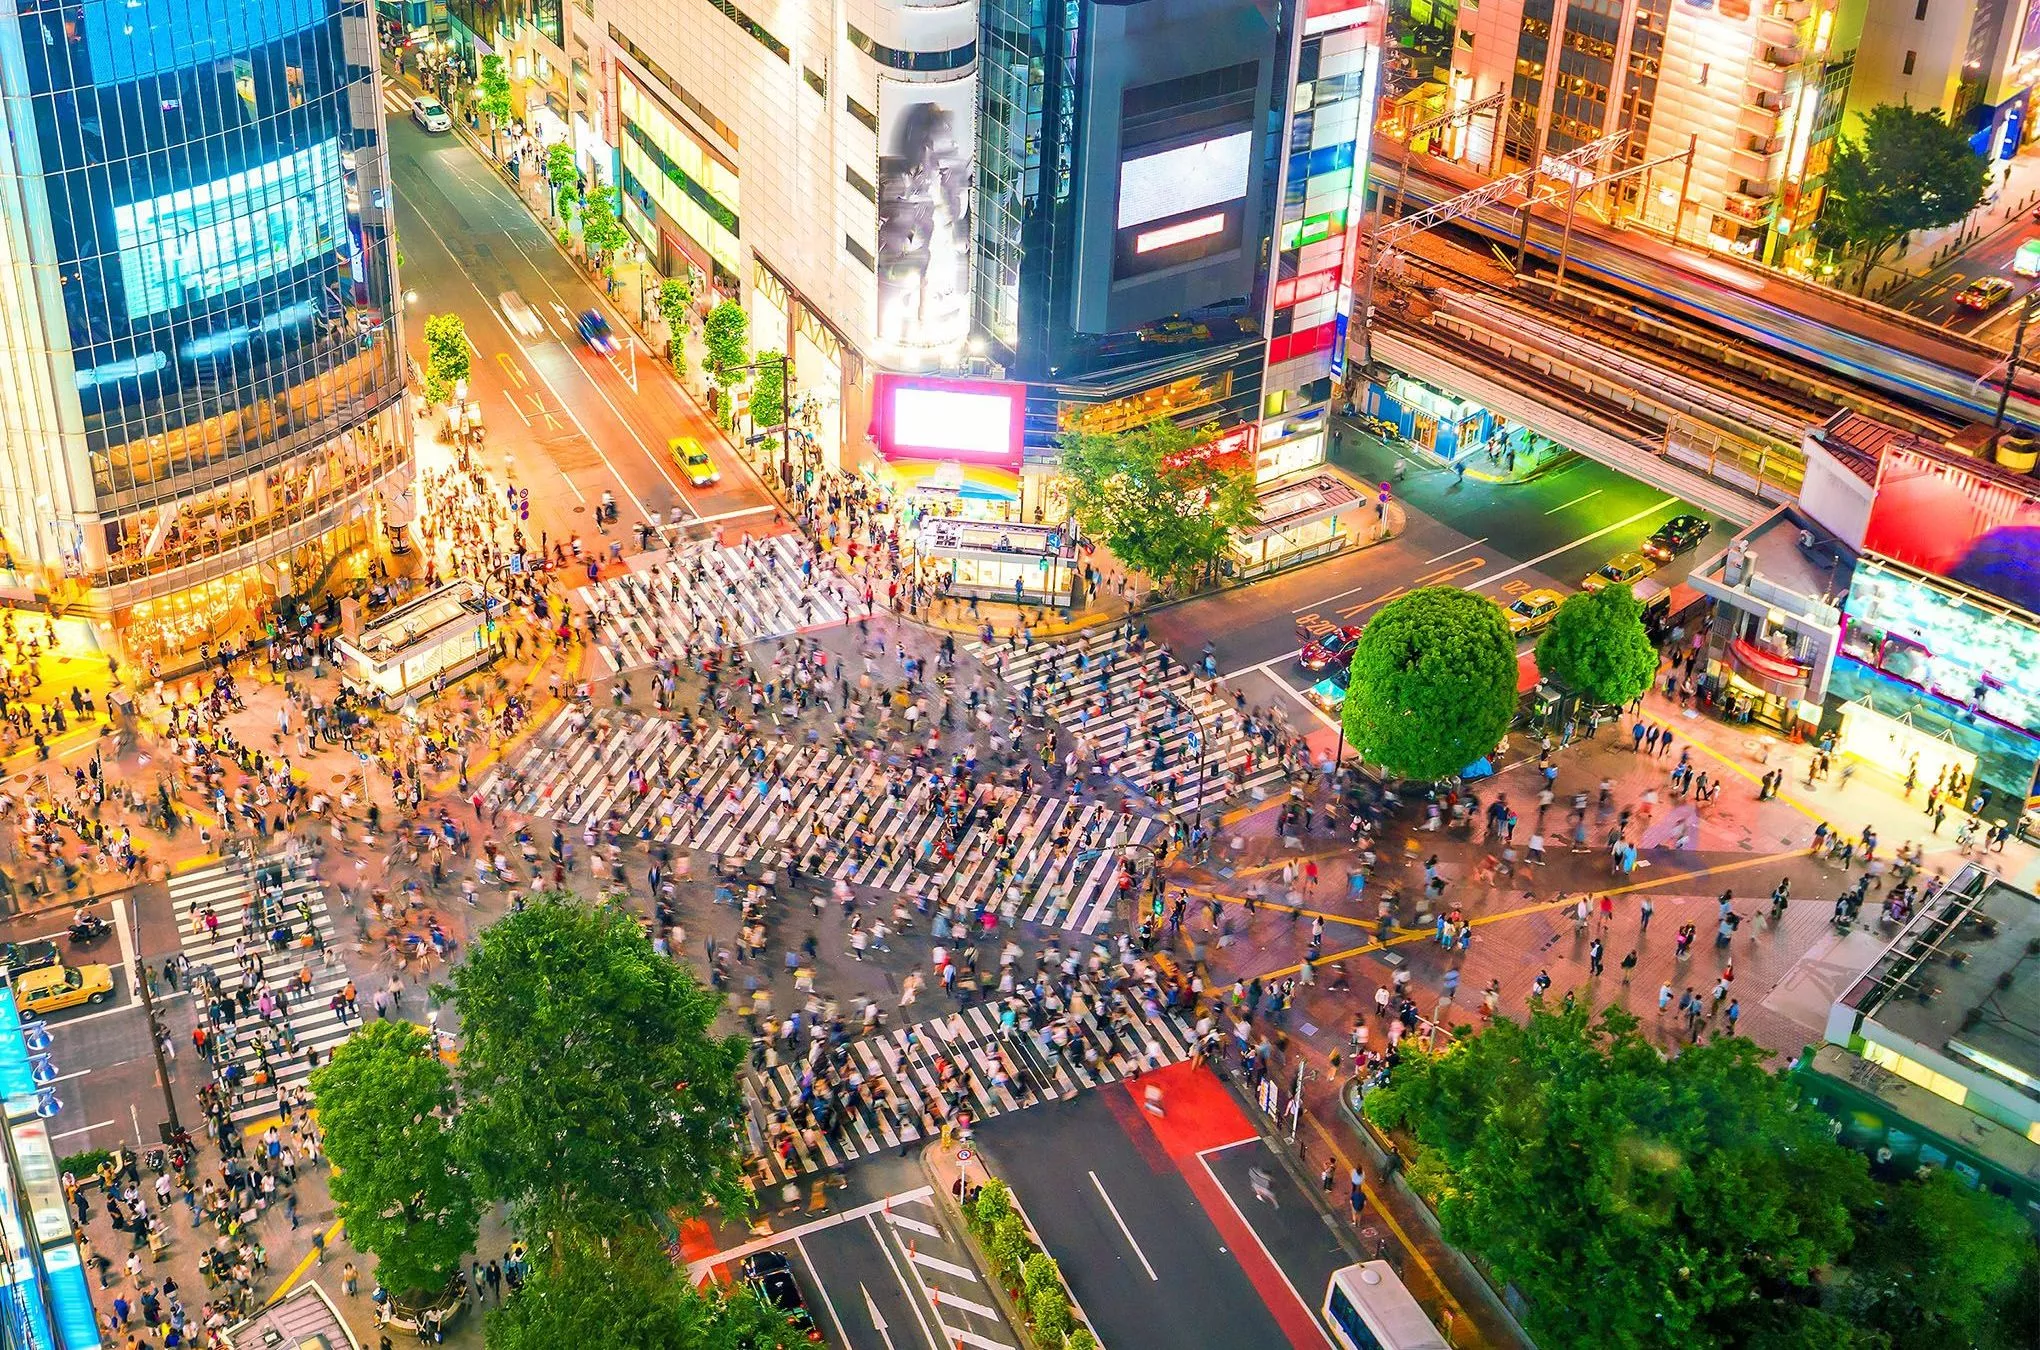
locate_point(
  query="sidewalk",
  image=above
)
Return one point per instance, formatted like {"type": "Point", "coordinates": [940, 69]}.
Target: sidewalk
{"type": "Point", "coordinates": [1925, 252]}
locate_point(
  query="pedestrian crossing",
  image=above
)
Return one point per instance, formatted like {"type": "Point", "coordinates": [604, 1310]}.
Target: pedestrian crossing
{"type": "Point", "coordinates": [1118, 705]}
{"type": "Point", "coordinates": [716, 593]}
{"type": "Point", "coordinates": [229, 894]}
{"type": "Point", "coordinates": [640, 771]}
{"type": "Point", "coordinates": [906, 1062]}
{"type": "Point", "coordinates": [396, 101]}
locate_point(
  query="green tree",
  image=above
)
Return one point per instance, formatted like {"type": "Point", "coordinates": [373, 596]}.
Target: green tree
{"type": "Point", "coordinates": [602, 229]}
{"type": "Point", "coordinates": [1571, 1156]}
{"type": "Point", "coordinates": [768, 391]}
{"type": "Point", "coordinates": [592, 1083]}
{"type": "Point", "coordinates": [676, 307]}
{"type": "Point", "coordinates": [492, 95]}
{"type": "Point", "coordinates": [625, 1285]}
{"type": "Point", "coordinates": [1939, 1264]}
{"type": "Point", "coordinates": [448, 357]}
{"type": "Point", "coordinates": [386, 1102]}
{"type": "Point", "coordinates": [726, 334]}
{"type": "Point", "coordinates": [1910, 170]}
{"type": "Point", "coordinates": [1432, 686]}
{"type": "Point", "coordinates": [563, 174]}
{"type": "Point", "coordinates": [1160, 509]}
{"type": "Point", "coordinates": [1597, 645]}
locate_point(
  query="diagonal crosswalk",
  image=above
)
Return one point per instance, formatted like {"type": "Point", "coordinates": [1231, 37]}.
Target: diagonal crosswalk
{"type": "Point", "coordinates": [862, 816]}
{"type": "Point", "coordinates": [1117, 702]}
{"type": "Point", "coordinates": [716, 593]}
{"type": "Point", "coordinates": [228, 893]}
{"type": "Point", "coordinates": [809, 1126]}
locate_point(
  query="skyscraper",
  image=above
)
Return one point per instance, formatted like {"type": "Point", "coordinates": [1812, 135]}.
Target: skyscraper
{"type": "Point", "coordinates": [201, 382]}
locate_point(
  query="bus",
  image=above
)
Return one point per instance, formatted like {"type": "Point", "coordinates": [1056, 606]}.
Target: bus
{"type": "Point", "coordinates": [2026, 262]}
{"type": "Point", "coordinates": [1368, 1308]}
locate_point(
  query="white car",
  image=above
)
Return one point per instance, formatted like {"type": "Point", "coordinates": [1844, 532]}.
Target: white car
{"type": "Point", "coordinates": [430, 114]}
{"type": "Point", "coordinates": [520, 314]}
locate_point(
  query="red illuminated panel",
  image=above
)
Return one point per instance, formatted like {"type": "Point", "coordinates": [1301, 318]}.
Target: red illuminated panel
{"type": "Point", "coordinates": [1329, 16]}
{"type": "Point", "coordinates": [1289, 292]}
{"type": "Point", "coordinates": [1171, 235]}
{"type": "Point", "coordinates": [1233, 450]}
{"type": "Point", "coordinates": [1310, 340]}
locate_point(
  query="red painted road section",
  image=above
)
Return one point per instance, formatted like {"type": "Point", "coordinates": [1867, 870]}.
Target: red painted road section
{"type": "Point", "coordinates": [1200, 1115]}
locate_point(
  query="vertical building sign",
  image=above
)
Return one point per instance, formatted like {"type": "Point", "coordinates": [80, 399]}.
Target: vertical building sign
{"type": "Point", "coordinates": [926, 140]}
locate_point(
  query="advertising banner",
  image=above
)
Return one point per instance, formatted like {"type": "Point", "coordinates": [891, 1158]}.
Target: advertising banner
{"type": "Point", "coordinates": [926, 136]}
{"type": "Point", "coordinates": [969, 421]}
{"type": "Point", "coordinates": [1957, 522]}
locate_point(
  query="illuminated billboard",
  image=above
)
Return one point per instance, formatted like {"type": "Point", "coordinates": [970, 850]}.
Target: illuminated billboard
{"type": "Point", "coordinates": [970, 421]}
{"type": "Point", "coordinates": [1185, 179]}
{"type": "Point", "coordinates": [129, 39]}
{"type": "Point", "coordinates": [926, 138]}
{"type": "Point", "coordinates": [214, 238]}
{"type": "Point", "coordinates": [1958, 521]}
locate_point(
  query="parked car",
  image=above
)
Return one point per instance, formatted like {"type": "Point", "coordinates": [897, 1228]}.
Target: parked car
{"type": "Point", "coordinates": [771, 1277]}
{"type": "Point", "coordinates": [1531, 611]}
{"type": "Point", "coordinates": [1330, 692]}
{"type": "Point", "coordinates": [520, 314]}
{"type": "Point", "coordinates": [694, 461]}
{"type": "Point", "coordinates": [1674, 537]}
{"type": "Point", "coordinates": [431, 114]}
{"type": "Point", "coordinates": [1621, 570]}
{"type": "Point", "coordinates": [595, 331]}
{"type": "Point", "coordinates": [54, 988]}
{"type": "Point", "coordinates": [1333, 649]}
{"type": "Point", "coordinates": [22, 957]}
{"type": "Point", "coordinates": [1984, 293]}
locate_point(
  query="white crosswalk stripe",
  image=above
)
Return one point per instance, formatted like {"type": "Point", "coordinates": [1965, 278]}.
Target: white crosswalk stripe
{"type": "Point", "coordinates": [396, 101]}
{"type": "Point", "coordinates": [1066, 851]}
{"type": "Point", "coordinates": [1094, 689]}
{"type": "Point", "coordinates": [227, 892]}
{"type": "Point", "coordinates": [715, 592]}
{"type": "Point", "coordinates": [907, 1062]}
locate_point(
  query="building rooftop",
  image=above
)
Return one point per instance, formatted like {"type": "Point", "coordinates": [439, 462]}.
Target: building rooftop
{"type": "Point", "coordinates": [1963, 979]}
{"type": "Point", "coordinates": [1859, 441]}
{"type": "Point", "coordinates": [307, 1320]}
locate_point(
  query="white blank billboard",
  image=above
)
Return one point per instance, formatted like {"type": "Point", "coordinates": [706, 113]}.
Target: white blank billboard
{"type": "Point", "coordinates": [975, 425]}
{"type": "Point", "coordinates": [1188, 178]}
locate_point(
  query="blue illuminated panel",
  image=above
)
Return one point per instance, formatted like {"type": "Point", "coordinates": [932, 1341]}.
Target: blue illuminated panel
{"type": "Point", "coordinates": [129, 39]}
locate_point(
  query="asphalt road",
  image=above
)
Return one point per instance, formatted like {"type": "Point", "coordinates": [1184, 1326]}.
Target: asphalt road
{"type": "Point", "coordinates": [1499, 539]}
{"type": "Point", "coordinates": [1933, 296]}
{"type": "Point", "coordinates": [1156, 1225]}
{"type": "Point", "coordinates": [579, 423]}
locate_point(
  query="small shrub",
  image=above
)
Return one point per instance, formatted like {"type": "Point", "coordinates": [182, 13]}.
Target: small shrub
{"type": "Point", "coordinates": [1080, 1339]}
{"type": "Point", "coordinates": [1010, 1246]}
{"type": "Point", "coordinates": [993, 1203]}
{"type": "Point", "coordinates": [83, 1165]}
{"type": "Point", "coordinates": [1040, 1272]}
{"type": "Point", "coordinates": [1051, 1311]}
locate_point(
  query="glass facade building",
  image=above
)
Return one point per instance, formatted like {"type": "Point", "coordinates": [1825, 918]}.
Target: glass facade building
{"type": "Point", "coordinates": [202, 399]}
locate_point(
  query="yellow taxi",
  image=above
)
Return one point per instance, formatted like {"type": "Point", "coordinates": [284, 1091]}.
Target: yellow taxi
{"type": "Point", "coordinates": [1531, 611]}
{"type": "Point", "coordinates": [694, 461]}
{"type": "Point", "coordinates": [54, 988]}
{"type": "Point", "coordinates": [1623, 569]}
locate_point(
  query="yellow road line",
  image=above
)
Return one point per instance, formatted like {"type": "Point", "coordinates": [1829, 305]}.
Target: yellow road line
{"type": "Point", "coordinates": [1374, 1197]}
{"type": "Point", "coordinates": [1718, 757]}
{"type": "Point", "coordinates": [1669, 879]}
{"type": "Point", "coordinates": [298, 1272]}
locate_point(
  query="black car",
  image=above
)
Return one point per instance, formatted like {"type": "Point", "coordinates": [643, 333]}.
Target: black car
{"type": "Point", "coordinates": [22, 957]}
{"type": "Point", "coordinates": [770, 1276]}
{"type": "Point", "coordinates": [1674, 537]}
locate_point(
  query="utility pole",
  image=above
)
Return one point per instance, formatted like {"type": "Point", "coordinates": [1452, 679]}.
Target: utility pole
{"type": "Point", "coordinates": [1997, 421]}
{"type": "Point", "coordinates": [1685, 185]}
{"type": "Point", "coordinates": [140, 975]}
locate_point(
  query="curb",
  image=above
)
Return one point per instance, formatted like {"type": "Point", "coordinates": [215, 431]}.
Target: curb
{"type": "Point", "coordinates": [952, 1212]}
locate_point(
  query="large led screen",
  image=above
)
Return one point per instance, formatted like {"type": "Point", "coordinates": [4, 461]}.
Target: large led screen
{"type": "Point", "coordinates": [1188, 178]}
{"type": "Point", "coordinates": [926, 134]}
{"type": "Point", "coordinates": [129, 39]}
{"type": "Point", "coordinates": [931, 418]}
{"type": "Point", "coordinates": [1958, 523]}
{"type": "Point", "coordinates": [198, 242]}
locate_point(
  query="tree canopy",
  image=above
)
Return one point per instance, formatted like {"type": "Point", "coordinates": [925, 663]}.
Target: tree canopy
{"type": "Point", "coordinates": [1910, 170]}
{"type": "Point", "coordinates": [602, 231]}
{"type": "Point", "coordinates": [386, 1102]}
{"type": "Point", "coordinates": [1597, 645]}
{"type": "Point", "coordinates": [625, 1285]}
{"type": "Point", "coordinates": [1160, 509]}
{"type": "Point", "coordinates": [492, 91]}
{"type": "Point", "coordinates": [768, 391]}
{"type": "Point", "coordinates": [726, 334]}
{"type": "Point", "coordinates": [1641, 1201]}
{"type": "Point", "coordinates": [448, 358]}
{"type": "Point", "coordinates": [1432, 686]}
{"type": "Point", "coordinates": [592, 1083]}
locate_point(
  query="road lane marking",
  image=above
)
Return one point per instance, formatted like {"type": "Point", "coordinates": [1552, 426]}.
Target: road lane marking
{"type": "Point", "coordinates": [975, 1309]}
{"type": "Point", "coordinates": [1124, 1231]}
{"type": "Point", "coordinates": [1205, 1162]}
{"type": "Point", "coordinates": [922, 1306]}
{"type": "Point", "coordinates": [84, 1129]}
{"type": "Point", "coordinates": [1449, 552]}
{"type": "Point", "coordinates": [1574, 502]}
{"type": "Point", "coordinates": [932, 1262]}
{"type": "Point", "coordinates": [697, 1269]}
{"type": "Point", "coordinates": [924, 1229]}
{"type": "Point", "coordinates": [822, 1288]}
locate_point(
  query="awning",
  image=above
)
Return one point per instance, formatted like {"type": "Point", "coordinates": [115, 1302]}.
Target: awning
{"type": "Point", "coordinates": [1684, 599]}
{"type": "Point", "coordinates": [972, 482]}
{"type": "Point", "coordinates": [1774, 675]}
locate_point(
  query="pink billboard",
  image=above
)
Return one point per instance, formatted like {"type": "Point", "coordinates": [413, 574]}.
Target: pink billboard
{"type": "Point", "coordinates": [929, 417]}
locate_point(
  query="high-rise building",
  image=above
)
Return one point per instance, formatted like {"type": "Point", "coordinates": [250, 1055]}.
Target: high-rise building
{"type": "Point", "coordinates": [1753, 89]}
{"type": "Point", "coordinates": [201, 410]}
{"type": "Point", "coordinates": [1976, 61]}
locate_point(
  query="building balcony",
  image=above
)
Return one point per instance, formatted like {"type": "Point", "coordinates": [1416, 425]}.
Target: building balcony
{"type": "Point", "coordinates": [1765, 79]}
{"type": "Point", "coordinates": [1748, 206]}
{"type": "Point", "coordinates": [1778, 27]}
{"type": "Point", "coordinates": [1760, 160]}
{"type": "Point", "coordinates": [1758, 120]}
{"type": "Point", "coordinates": [1784, 56]}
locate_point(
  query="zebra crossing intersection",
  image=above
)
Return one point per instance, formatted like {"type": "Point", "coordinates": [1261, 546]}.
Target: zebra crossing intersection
{"type": "Point", "coordinates": [904, 1060]}
{"type": "Point", "coordinates": [228, 892]}
{"type": "Point", "coordinates": [721, 593]}
{"type": "Point", "coordinates": [1067, 850]}
{"type": "Point", "coordinates": [1111, 718]}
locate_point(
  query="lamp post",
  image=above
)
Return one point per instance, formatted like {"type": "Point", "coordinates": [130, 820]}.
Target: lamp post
{"type": "Point", "coordinates": [140, 975]}
{"type": "Point", "coordinates": [785, 365]}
